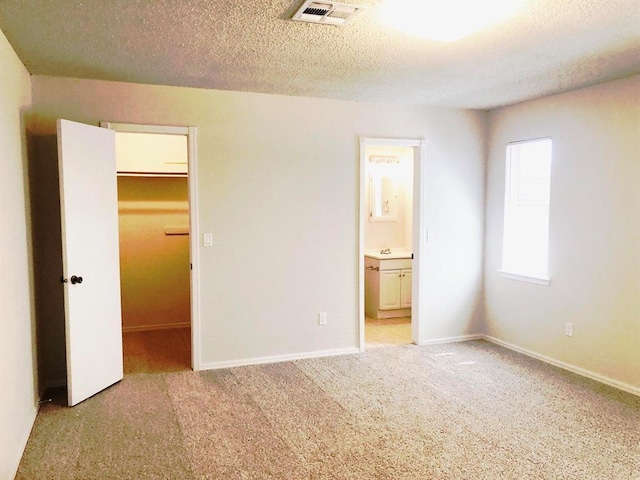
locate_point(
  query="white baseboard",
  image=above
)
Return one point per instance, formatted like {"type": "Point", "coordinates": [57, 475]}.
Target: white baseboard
{"type": "Point", "coordinates": [460, 338]}
{"type": "Point", "coordinates": [566, 366]}
{"type": "Point", "coordinates": [278, 358]}
{"type": "Point", "coordinates": [161, 326]}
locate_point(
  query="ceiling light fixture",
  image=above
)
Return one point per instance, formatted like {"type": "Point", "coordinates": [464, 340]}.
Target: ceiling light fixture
{"type": "Point", "coordinates": [446, 20]}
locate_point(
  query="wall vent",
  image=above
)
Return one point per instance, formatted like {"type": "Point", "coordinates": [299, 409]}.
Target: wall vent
{"type": "Point", "coordinates": [330, 13]}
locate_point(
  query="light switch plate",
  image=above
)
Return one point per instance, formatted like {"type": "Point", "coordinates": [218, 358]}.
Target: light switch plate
{"type": "Point", "coordinates": [568, 329]}
{"type": "Point", "coordinates": [208, 239]}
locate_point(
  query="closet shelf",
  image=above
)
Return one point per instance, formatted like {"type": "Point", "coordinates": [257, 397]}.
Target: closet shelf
{"type": "Point", "coordinates": [151, 175]}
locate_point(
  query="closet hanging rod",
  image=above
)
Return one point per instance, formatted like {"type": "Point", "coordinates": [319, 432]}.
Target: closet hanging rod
{"type": "Point", "coordinates": [176, 231]}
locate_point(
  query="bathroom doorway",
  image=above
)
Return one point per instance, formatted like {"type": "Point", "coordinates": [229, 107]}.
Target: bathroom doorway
{"type": "Point", "coordinates": [156, 218]}
{"type": "Point", "coordinates": [390, 246]}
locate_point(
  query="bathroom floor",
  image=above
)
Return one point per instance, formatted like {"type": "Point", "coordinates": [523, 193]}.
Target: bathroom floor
{"type": "Point", "coordinates": [157, 351]}
{"type": "Point", "coordinates": [386, 332]}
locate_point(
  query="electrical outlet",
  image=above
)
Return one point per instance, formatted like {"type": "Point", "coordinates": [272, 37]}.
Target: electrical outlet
{"type": "Point", "coordinates": [322, 318]}
{"type": "Point", "coordinates": [568, 329]}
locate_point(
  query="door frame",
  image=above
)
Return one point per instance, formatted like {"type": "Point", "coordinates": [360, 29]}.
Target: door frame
{"type": "Point", "coordinates": [418, 239]}
{"type": "Point", "coordinates": [194, 235]}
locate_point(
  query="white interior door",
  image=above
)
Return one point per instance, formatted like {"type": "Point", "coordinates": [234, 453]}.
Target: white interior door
{"type": "Point", "coordinates": [91, 261]}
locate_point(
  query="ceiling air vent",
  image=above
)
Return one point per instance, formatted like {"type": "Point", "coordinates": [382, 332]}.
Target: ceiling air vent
{"type": "Point", "coordinates": [331, 13]}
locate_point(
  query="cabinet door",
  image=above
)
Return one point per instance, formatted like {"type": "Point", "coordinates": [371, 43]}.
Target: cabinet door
{"type": "Point", "coordinates": [390, 289]}
{"type": "Point", "coordinates": [405, 289]}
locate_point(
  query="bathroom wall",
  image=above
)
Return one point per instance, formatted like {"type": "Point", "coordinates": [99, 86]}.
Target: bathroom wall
{"type": "Point", "coordinates": [397, 234]}
{"type": "Point", "coordinates": [154, 266]}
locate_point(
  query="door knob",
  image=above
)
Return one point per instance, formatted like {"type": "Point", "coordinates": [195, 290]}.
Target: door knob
{"type": "Point", "coordinates": [75, 279]}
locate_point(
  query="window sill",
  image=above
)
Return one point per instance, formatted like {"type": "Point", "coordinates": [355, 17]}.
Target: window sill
{"type": "Point", "coordinates": [545, 281]}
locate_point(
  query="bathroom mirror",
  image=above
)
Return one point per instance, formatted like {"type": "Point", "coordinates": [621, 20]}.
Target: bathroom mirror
{"type": "Point", "coordinates": [383, 200]}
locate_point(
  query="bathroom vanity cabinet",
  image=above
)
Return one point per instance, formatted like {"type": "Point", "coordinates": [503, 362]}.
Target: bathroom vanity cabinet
{"type": "Point", "coordinates": [387, 286]}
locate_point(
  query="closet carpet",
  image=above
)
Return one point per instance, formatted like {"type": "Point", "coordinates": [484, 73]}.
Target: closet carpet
{"type": "Point", "coordinates": [469, 410]}
{"type": "Point", "coordinates": [157, 351]}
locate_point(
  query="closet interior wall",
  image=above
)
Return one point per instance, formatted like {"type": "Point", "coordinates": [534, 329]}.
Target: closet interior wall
{"type": "Point", "coordinates": [154, 252]}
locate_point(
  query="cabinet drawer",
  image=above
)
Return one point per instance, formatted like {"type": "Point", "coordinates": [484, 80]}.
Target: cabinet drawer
{"type": "Point", "coordinates": [395, 264]}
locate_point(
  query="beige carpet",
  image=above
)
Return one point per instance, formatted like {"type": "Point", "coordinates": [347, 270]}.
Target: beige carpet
{"type": "Point", "coordinates": [460, 411]}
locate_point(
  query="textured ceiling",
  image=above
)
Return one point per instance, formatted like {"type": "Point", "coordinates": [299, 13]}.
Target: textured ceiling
{"type": "Point", "coordinates": [549, 46]}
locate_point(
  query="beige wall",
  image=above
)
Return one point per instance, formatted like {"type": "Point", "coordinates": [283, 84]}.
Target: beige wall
{"type": "Point", "coordinates": [594, 241]}
{"type": "Point", "coordinates": [18, 394]}
{"type": "Point", "coordinates": [278, 188]}
{"type": "Point", "coordinates": [154, 267]}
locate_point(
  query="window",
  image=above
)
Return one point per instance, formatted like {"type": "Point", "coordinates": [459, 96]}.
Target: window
{"type": "Point", "coordinates": [526, 211]}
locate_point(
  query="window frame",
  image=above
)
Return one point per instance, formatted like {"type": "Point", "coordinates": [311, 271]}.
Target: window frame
{"type": "Point", "coordinates": [513, 274]}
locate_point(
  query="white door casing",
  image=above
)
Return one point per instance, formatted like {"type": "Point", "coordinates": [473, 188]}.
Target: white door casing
{"type": "Point", "coordinates": [89, 219]}
{"type": "Point", "coordinates": [419, 222]}
{"type": "Point", "coordinates": [194, 235]}
{"type": "Point", "coordinates": [418, 270]}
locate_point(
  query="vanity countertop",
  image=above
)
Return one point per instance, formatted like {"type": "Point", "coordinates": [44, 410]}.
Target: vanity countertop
{"type": "Point", "coordinates": [386, 256]}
